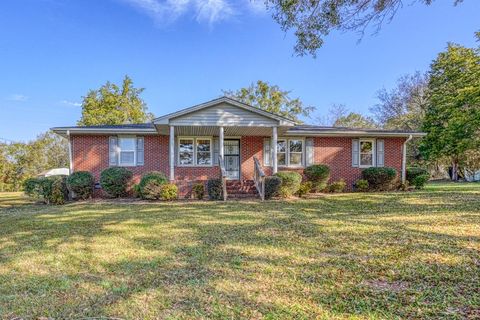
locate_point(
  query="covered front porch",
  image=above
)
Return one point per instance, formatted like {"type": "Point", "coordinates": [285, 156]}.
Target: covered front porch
{"type": "Point", "coordinates": [223, 138]}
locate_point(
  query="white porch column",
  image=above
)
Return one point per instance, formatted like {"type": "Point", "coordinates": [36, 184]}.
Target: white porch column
{"type": "Point", "coordinates": [404, 159]}
{"type": "Point", "coordinates": [171, 153]}
{"type": "Point", "coordinates": [273, 149]}
{"type": "Point", "coordinates": [70, 157]}
{"type": "Point", "coordinates": [220, 142]}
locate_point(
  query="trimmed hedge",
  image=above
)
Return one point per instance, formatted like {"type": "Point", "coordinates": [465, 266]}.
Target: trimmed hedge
{"type": "Point", "coordinates": [361, 185]}
{"type": "Point", "coordinates": [168, 192]}
{"type": "Point", "coordinates": [156, 190]}
{"type": "Point", "coordinates": [198, 191]}
{"type": "Point", "coordinates": [337, 186]}
{"type": "Point", "coordinates": [414, 172]}
{"type": "Point", "coordinates": [305, 188]}
{"type": "Point", "coordinates": [379, 178]}
{"type": "Point", "coordinates": [51, 190]}
{"type": "Point", "coordinates": [420, 181]}
{"type": "Point", "coordinates": [272, 186]}
{"type": "Point", "coordinates": [290, 183]}
{"type": "Point", "coordinates": [156, 176]}
{"type": "Point", "coordinates": [214, 189]}
{"type": "Point", "coordinates": [318, 174]}
{"type": "Point", "coordinates": [114, 181]}
{"type": "Point", "coordinates": [81, 183]}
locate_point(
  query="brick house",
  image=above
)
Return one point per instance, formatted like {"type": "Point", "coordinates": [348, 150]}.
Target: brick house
{"type": "Point", "coordinates": [225, 137]}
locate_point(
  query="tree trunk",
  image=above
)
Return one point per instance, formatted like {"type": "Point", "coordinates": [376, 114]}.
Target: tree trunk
{"type": "Point", "coordinates": [455, 170]}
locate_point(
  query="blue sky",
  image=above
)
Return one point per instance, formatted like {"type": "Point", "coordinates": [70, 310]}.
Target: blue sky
{"type": "Point", "coordinates": [185, 52]}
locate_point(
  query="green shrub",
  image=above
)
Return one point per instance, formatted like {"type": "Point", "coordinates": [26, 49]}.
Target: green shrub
{"type": "Point", "coordinates": [58, 192]}
{"type": "Point", "coordinates": [51, 190]}
{"type": "Point", "coordinates": [318, 174]}
{"type": "Point", "coordinates": [414, 172]}
{"type": "Point", "coordinates": [114, 181]}
{"type": "Point", "coordinates": [337, 186]}
{"type": "Point", "coordinates": [214, 189]}
{"type": "Point", "coordinates": [272, 186]}
{"type": "Point", "coordinates": [361, 185]}
{"type": "Point", "coordinates": [168, 192]}
{"type": "Point", "coordinates": [420, 181]}
{"type": "Point", "coordinates": [305, 188]}
{"type": "Point", "coordinates": [136, 190]}
{"type": "Point", "coordinates": [157, 176]}
{"type": "Point", "coordinates": [290, 183]}
{"type": "Point", "coordinates": [152, 190]}
{"type": "Point", "coordinates": [198, 191]}
{"type": "Point", "coordinates": [81, 183]}
{"type": "Point", "coordinates": [379, 178]}
{"type": "Point", "coordinates": [31, 187]}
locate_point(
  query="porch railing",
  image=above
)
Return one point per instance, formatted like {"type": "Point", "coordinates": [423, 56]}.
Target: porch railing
{"type": "Point", "coordinates": [259, 178]}
{"type": "Point", "coordinates": [223, 177]}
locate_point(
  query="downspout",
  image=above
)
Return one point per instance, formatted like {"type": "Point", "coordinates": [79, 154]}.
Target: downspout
{"type": "Point", "coordinates": [404, 159]}
{"type": "Point", "coordinates": [70, 162]}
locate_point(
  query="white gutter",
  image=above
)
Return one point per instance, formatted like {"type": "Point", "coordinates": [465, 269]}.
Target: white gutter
{"type": "Point", "coordinates": [351, 134]}
{"type": "Point", "coordinates": [70, 153]}
{"type": "Point", "coordinates": [404, 159]}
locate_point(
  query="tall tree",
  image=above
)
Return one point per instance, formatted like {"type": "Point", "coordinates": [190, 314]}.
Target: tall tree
{"type": "Point", "coordinates": [113, 104]}
{"type": "Point", "coordinates": [19, 161]}
{"type": "Point", "coordinates": [355, 120]}
{"type": "Point", "coordinates": [271, 98]}
{"type": "Point", "coordinates": [403, 107]}
{"type": "Point", "coordinates": [452, 119]}
{"type": "Point", "coordinates": [313, 20]}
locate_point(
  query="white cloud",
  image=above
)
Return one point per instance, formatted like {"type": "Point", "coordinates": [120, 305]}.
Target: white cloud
{"type": "Point", "coordinates": [256, 6]}
{"type": "Point", "coordinates": [70, 103]}
{"type": "Point", "coordinates": [167, 11]}
{"type": "Point", "coordinates": [17, 97]}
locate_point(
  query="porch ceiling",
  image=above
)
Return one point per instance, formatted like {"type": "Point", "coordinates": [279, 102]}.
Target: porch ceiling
{"type": "Point", "coordinates": [214, 131]}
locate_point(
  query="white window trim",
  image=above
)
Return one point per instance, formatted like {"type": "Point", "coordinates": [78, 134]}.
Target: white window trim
{"type": "Point", "coordinates": [302, 153]}
{"type": "Point", "coordinates": [287, 153]}
{"type": "Point", "coordinates": [374, 152]}
{"type": "Point", "coordinates": [194, 164]}
{"type": "Point", "coordinates": [120, 164]}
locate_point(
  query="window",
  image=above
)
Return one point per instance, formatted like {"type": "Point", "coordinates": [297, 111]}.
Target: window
{"type": "Point", "coordinates": [127, 148]}
{"type": "Point", "coordinates": [296, 153]}
{"type": "Point", "coordinates": [204, 154]}
{"type": "Point", "coordinates": [282, 152]}
{"type": "Point", "coordinates": [290, 152]}
{"type": "Point", "coordinates": [366, 153]}
{"type": "Point", "coordinates": [194, 151]}
{"type": "Point", "coordinates": [185, 152]}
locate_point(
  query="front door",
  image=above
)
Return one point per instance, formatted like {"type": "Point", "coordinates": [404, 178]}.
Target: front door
{"type": "Point", "coordinates": [231, 150]}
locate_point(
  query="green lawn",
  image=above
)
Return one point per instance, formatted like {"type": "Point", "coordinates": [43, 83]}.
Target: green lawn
{"type": "Point", "coordinates": [346, 256]}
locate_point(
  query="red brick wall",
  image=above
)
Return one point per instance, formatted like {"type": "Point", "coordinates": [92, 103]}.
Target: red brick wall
{"type": "Point", "coordinates": [250, 147]}
{"type": "Point", "coordinates": [336, 152]}
{"type": "Point", "coordinates": [90, 153]}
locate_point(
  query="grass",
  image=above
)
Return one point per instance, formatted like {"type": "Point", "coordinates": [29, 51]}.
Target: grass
{"type": "Point", "coordinates": [345, 256]}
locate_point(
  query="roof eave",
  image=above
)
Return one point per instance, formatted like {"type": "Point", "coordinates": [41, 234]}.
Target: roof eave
{"type": "Point", "coordinates": [355, 134]}
{"type": "Point", "coordinates": [63, 131]}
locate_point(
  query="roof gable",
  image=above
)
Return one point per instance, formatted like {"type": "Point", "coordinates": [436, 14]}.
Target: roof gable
{"type": "Point", "coordinates": [223, 112]}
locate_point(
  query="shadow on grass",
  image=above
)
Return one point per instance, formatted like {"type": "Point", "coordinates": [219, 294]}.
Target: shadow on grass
{"type": "Point", "coordinates": [299, 259]}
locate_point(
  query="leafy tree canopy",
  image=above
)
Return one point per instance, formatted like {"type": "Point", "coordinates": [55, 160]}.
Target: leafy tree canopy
{"type": "Point", "coordinates": [271, 98]}
{"type": "Point", "coordinates": [113, 104]}
{"type": "Point", "coordinates": [313, 20]}
{"type": "Point", "coordinates": [355, 120]}
{"type": "Point", "coordinates": [452, 118]}
{"type": "Point", "coordinates": [19, 161]}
